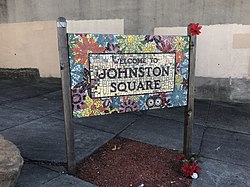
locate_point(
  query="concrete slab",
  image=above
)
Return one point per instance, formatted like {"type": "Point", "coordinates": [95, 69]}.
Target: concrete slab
{"type": "Point", "coordinates": [58, 115]}
{"type": "Point", "coordinates": [234, 117]}
{"type": "Point", "coordinates": [34, 175]}
{"type": "Point", "coordinates": [16, 93]}
{"type": "Point", "coordinates": [88, 140]}
{"type": "Point", "coordinates": [227, 146]}
{"type": "Point", "coordinates": [43, 139]}
{"type": "Point", "coordinates": [162, 132]}
{"type": "Point", "coordinates": [177, 113]}
{"type": "Point", "coordinates": [67, 181]}
{"type": "Point", "coordinates": [41, 105]}
{"type": "Point", "coordinates": [57, 168]}
{"type": "Point", "coordinates": [114, 123]}
{"type": "Point", "coordinates": [51, 86]}
{"type": "Point", "coordinates": [8, 84]}
{"type": "Point", "coordinates": [12, 94]}
{"type": "Point", "coordinates": [3, 99]}
{"type": "Point", "coordinates": [221, 174]}
{"type": "Point", "coordinates": [10, 117]}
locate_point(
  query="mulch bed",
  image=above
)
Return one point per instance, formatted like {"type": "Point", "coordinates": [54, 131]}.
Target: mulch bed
{"type": "Point", "coordinates": [131, 164]}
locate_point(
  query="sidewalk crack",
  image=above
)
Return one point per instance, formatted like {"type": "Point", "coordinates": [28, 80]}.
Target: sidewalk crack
{"type": "Point", "coordinates": [215, 159]}
{"type": "Point", "coordinates": [47, 164]}
{"type": "Point", "coordinates": [125, 128]}
{"type": "Point", "coordinates": [29, 121]}
{"type": "Point", "coordinates": [202, 139]}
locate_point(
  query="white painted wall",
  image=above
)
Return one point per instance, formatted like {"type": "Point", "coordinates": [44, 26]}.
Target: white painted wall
{"type": "Point", "coordinates": [223, 51]}
{"type": "Point", "coordinates": [30, 45]}
{"type": "Point", "coordinates": [34, 44]}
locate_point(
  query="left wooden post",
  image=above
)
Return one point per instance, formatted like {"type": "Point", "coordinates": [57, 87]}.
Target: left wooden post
{"type": "Point", "coordinates": [67, 105]}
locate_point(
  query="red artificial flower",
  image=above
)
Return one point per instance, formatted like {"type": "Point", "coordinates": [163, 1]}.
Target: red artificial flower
{"type": "Point", "coordinates": [195, 29]}
{"type": "Point", "coordinates": [191, 160]}
{"type": "Point", "coordinates": [189, 167]}
{"type": "Point", "coordinates": [185, 169]}
{"type": "Point", "coordinates": [191, 170]}
{"type": "Point", "coordinates": [197, 168]}
{"type": "Point", "coordinates": [181, 157]}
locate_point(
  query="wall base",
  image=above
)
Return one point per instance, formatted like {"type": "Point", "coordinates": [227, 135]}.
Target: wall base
{"type": "Point", "coordinates": [223, 89]}
{"type": "Point", "coordinates": [19, 74]}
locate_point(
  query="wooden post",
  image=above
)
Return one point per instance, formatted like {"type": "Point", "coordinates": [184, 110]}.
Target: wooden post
{"type": "Point", "coordinates": [189, 109]}
{"type": "Point", "coordinates": [66, 91]}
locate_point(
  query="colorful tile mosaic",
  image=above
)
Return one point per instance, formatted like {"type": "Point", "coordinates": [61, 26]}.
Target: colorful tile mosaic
{"type": "Point", "coordinates": [125, 73]}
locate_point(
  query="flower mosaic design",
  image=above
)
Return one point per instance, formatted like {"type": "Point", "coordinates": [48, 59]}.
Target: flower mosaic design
{"type": "Point", "coordinates": [104, 39]}
{"type": "Point", "coordinates": [75, 72]}
{"type": "Point", "coordinates": [142, 102]}
{"type": "Point", "coordinates": [129, 105]}
{"type": "Point", "coordinates": [116, 102]}
{"type": "Point", "coordinates": [112, 48]}
{"type": "Point", "coordinates": [131, 43]}
{"type": "Point", "coordinates": [93, 107]}
{"type": "Point", "coordinates": [179, 56]}
{"type": "Point", "coordinates": [164, 47]}
{"type": "Point", "coordinates": [165, 44]}
{"type": "Point", "coordinates": [178, 97]}
{"type": "Point", "coordinates": [151, 38]}
{"type": "Point", "coordinates": [178, 80]}
{"type": "Point", "coordinates": [178, 69]}
{"type": "Point", "coordinates": [180, 43]}
{"type": "Point", "coordinates": [80, 45]}
{"type": "Point", "coordinates": [168, 39]}
{"type": "Point", "coordinates": [184, 68]}
{"type": "Point", "coordinates": [184, 84]}
{"type": "Point", "coordinates": [78, 98]}
{"type": "Point", "coordinates": [148, 48]}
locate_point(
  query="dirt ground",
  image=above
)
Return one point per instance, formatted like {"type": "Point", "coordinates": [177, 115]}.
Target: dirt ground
{"type": "Point", "coordinates": [126, 163]}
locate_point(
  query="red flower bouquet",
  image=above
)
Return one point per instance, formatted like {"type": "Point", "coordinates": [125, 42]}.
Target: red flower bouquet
{"type": "Point", "coordinates": [189, 167]}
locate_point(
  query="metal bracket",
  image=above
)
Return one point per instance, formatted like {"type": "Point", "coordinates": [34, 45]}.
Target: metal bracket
{"type": "Point", "coordinates": [61, 24]}
{"type": "Point", "coordinates": [62, 65]}
{"type": "Point", "coordinates": [192, 45]}
{"type": "Point", "coordinates": [189, 112]}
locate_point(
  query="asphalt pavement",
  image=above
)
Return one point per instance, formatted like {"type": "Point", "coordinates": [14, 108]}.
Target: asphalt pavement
{"type": "Point", "coordinates": [32, 118]}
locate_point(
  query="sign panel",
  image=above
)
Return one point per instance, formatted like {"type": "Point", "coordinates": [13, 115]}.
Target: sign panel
{"type": "Point", "coordinates": [124, 73]}
{"type": "Point", "coordinates": [131, 74]}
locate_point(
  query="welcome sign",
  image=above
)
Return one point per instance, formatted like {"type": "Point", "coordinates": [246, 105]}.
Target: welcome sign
{"type": "Point", "coordinates": [124, 73]}
{"type": "Point", "coordinates": [131, 74]}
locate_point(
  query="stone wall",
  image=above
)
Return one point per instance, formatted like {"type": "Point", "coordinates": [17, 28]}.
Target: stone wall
{"type": "Point", "coordinates": [141, 16]}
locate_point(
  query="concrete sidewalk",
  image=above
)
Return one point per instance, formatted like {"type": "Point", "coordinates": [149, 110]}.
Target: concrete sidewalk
{"type": "Point", "coordinates": [31, 117]}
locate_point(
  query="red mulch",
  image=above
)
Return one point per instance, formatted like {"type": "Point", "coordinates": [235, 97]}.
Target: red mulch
{"type": "Point", "coordinates": [135, 163]}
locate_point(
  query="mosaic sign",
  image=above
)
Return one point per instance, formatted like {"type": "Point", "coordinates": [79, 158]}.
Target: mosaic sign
{"type": "Point", "coordinates": [131, 74]}
{"type": "Point", "coordinates": [125, 73]}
